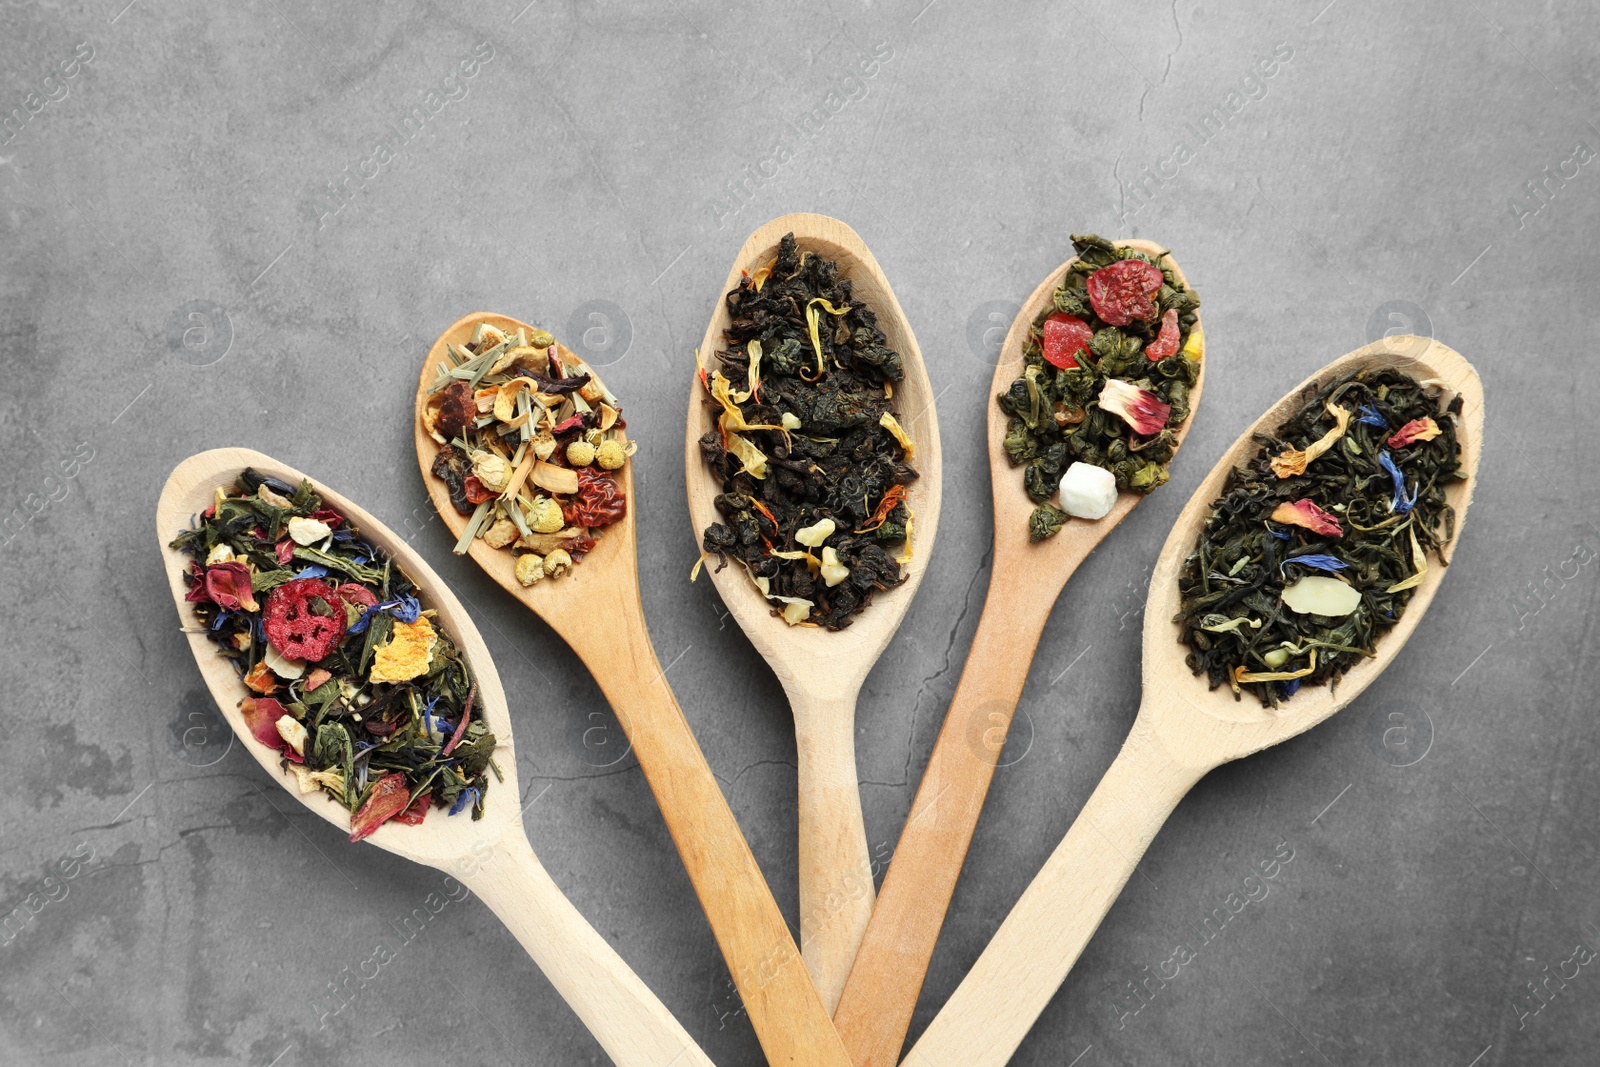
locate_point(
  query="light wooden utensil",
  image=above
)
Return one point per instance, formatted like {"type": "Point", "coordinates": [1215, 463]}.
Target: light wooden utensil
{"type": "Point", "coordinates": [596, 609]}
{"type": "Point", "coordinates": [882, 990]}
{"type": "Point", "coordinates": [822, 672]}
{"type": "Point", "coordinates": [1182, 731]}
{"type": "Point", "coordinates": [491, 856]}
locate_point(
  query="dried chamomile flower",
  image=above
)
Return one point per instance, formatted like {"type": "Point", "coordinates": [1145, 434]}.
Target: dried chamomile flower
{"type": "Point", "coordinates": [557, 562]}
{"type": "Point", "coordinates": [530, 568]}
{"type": "Point", "coordinates": [492, 470]}
{"type": "Point", "coordinates": [611, 455]}
{"type": "Point", "coordinates": [580, 453]}
{"type": "Point", "coordinates": [544, 515]}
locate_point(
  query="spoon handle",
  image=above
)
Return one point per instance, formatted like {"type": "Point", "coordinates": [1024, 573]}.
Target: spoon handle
{"type": "Point", "coordinates": [785, 1010]}
{"type": "Point", "coordinates": [835, 864]}
{"type": "Point", "coordinates": [881, 993]}
{"type": "Point", "coordinates": [628, 1020]}
{"type": "Point", "coordinates": [1028, 958]}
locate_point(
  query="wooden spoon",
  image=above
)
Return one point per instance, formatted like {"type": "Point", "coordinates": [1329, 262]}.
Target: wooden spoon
{"type": "Point", "coordinates": [1182, 731]}
{"type": "Point", "coordinates": [596, 609]}
{"type": "Point", "coordinates": [882, 990]}
{"type": "Point", "coordinates": [491, 856]}
{"type": "Point", "coordinates": [822, 671]}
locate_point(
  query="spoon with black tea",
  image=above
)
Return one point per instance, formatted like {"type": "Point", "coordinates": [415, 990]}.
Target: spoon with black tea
{"type": "Point", "coordinates": [821, 670]}
{"type": "Point", "coordinates": [491, 855]}
{"type": "Point", "coordinates": [1182, 731]}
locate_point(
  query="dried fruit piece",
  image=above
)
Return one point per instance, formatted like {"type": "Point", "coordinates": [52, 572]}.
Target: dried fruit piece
{"type": "Point", "coordinates": [304, 619]}
{"type": "Point", "coordinates": [406, 654]}
{"type": "Point", "coordinates": [1317, 595]}
{"type": "Point", "coordinates": [1125, 291]}
{"type": "Point", "coordinates": [1065, 336]}
{"type": "Point", "coordinates": [457, 411]}
{"type": "Point", "coordinates": [598, 500]}
{"type": "Point", "coordinates": [389, 797]}
{"type": "Point", "coordinates": [1166, 342]}
{"type": "Point", "coordinates": [1137, 407]}
{"type": "Point", "coordinates": [1305, 513]}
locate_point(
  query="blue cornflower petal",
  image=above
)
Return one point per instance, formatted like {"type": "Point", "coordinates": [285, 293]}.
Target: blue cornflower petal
{"type": "Point", "coordinates": [1282, 535]}
{"type": "Point", "coordinates": [1317, 560]}
{"type": "Point", "coordinates": [222, 617]}
{"type": "Point", "coordinates": [1288, 689]}
{"type": "Point", "coordinates": [468, 797]}
{"type": "Point", "coordinates": [406, 609]}
{"type": "Point", "coordinates": [1370, 416]}
{"type": "Point", "coordinates": [312, 570]}
{"type": "Point", "coordinates": [1400, 504]}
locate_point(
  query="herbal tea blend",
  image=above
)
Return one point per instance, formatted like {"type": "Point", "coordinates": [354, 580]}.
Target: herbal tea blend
{"type": "Point", "coordinates": [531, 440]}
{"type": "Point", "coordinates": [1314, 549]}
{"type": "Point", "coordinates": [813, 461]}
{"type": "Point", "coordinates": [352, 683]}
{"type": "Point", "coordinates": [1106, 385]}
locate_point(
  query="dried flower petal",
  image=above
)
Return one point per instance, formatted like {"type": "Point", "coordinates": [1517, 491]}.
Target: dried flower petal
{"type": "Point", "coordinates": [228, 584]}
{"type": "Point", "coordinates": [261, 716]}
{"type": "Point", "coordinates": [1139, 408]}
{"type": "Point", "coordinates": [1416, 430]}
{"type": "Point", "coordinates": [1304, 512]}
{"type": "Point", "coordinates": [1292, 461]}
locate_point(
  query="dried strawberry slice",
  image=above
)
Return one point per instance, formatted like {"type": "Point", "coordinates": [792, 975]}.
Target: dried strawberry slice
{"type": "Point", "coordinates": [1125, 291]}
{"type": "Point", "coordinates": [1166, 343]}
{"type": "Point", "coordinates": [305, 619]}
{"type": "Point", "coordinates": [1064, 337]}
{"type": "Point", "coordinates": [418, 809]}
{"type": "Point", "coordinates": [390, 796]}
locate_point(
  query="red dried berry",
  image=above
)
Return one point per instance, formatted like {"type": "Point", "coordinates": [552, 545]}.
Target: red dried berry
{"type": "Point", "coordinates": [1125, 291]}
{"type": "Point", "coordinates": [476, 493]}
{"type": "Point", "coordinates": [305, 619]}
{"type": "Point", "coordinates": [389, 797]}
{"type": "Point", "coordinates": [599, 501]}
{"type": "Point", "coordinates": [1166, 343]}
{"type": "Point", "coordinates": [1064, 337]}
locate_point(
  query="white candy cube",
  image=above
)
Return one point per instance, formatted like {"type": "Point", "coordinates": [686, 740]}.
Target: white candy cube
{"type": "Point", "coordinates": [1087, 491]}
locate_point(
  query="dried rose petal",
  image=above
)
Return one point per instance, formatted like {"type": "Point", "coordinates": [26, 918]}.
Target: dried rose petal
{"type": "Point", "coordinates": [284, 550]}
{"type": "Point", "coordinates": [1166, 342]}
{"type": "Point", "coordinates": [329, 516]}
{"type": "Point", "coordinates": [197, 588]}
{"type": "Point", "coordinates": [1306, 514]}
{"type": "Point", "coordinates": [1125, 291]}
{"type": "Point", "coordinates": [229, 585]}
{"type": "Point", "coordinates": [389, 797]}
{"type": "Point", "coordinates": [1064, 337]}
{"type": "Point", "coordinates": [261, 715]}
{"type": "Point", "coordinates": [358, 595]}
{"type": "Point", "coordinates": [1139, 408]}
{"type": "Point", "coordinates": [418, 809]}
{"type": "Point", "coordinates": [1415, 430]}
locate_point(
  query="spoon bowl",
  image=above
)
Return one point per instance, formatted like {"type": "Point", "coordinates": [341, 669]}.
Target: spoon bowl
{"type": "Point", "coordinates": [1183, 730]}
{"type": "Point", "coordinates": [1027, 577]}
{"type": "Point", "coordinates": [822, 671]}
{"type": "Point", "coordinates": [596, 608]}
{"type": "Point", "coordinates": [491, 855]}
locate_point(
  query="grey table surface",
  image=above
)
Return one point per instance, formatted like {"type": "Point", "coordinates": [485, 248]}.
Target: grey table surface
{"type": "Point", "coordinates": [242, 224]}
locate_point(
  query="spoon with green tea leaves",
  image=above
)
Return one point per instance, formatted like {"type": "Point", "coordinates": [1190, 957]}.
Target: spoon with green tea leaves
{"type": "Point", "coordinates": [812, 465]}
{"type": "Point", "coordinates": [1383, 446]}
{"type": "Point", "coordinates": [594, 604]}
{"type": "Point", "coordinates": [289, 575]}
{"type": "Point", "coordinates": [1097, 384]}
